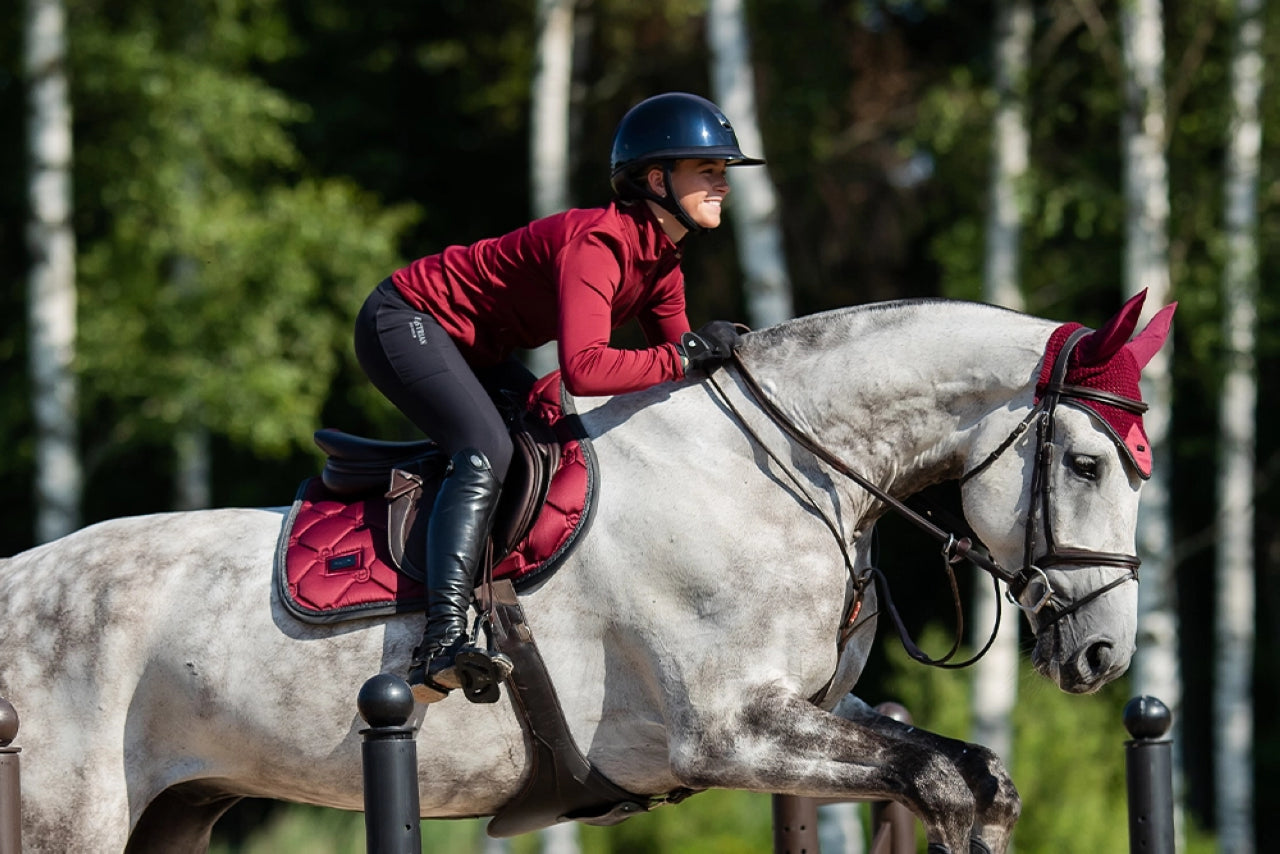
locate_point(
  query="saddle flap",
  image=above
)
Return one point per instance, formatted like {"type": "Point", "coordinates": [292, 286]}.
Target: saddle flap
{"type": "Point", "coordinates": [411, 495]}
{"type": "Point", "coordinates": [404, 500]}
{"type": "Point", "coordinates": [534, 463]}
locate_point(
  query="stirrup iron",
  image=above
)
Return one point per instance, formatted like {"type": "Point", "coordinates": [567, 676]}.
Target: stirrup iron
{"type": "Point", "coordinates": [481, 670]}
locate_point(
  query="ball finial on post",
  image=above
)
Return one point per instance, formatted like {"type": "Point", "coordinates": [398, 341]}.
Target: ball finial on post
{"type": "Point", "coordinates": [1147, 718]}
{"type": "Point", "coordinates": [8, 723]}
{"type": "Point", "coordinates": [385, 700]}
{"type": "Point", "coordinates": [10, 782]}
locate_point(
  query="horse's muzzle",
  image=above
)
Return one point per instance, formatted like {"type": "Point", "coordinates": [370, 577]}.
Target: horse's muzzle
{"type": "Point", "coordinates": [1095, 663]}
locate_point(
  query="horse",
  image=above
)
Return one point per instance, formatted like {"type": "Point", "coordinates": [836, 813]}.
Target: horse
{"type": "Point", "coordinates": [706, 632]}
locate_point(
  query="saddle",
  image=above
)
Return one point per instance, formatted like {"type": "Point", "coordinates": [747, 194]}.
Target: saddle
{"type": "Point", "coordinates": [342, 550]}
{"type": "Point", "coordinates": [409, 475]}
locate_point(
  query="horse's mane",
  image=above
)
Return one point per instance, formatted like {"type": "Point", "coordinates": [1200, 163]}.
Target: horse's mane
{"type": "Point", "coordinates": [812, 329]}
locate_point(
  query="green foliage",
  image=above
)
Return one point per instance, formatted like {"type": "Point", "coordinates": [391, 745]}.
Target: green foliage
{"type": "Point", "coordinates": [729, 822]}
{"type": "Point", "coordinates": [426, 104]}
{"type": "Point", "coordinates": [217, 280]}
{"type": "Point", "coordinates": [723, 822]}
{"type": "Point", "coordinates": [313, 830]}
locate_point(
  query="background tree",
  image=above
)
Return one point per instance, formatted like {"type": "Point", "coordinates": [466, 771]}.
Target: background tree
{"type": "Point", "coordinates": [1146, 267]}
{"type": "Point", "coordinates": [1235, 613]}
{"type": "Point", "coordinates": [221, 277]}
{"type": "Point", "coordinates": [995, 682]}
{"type": "Point", "coordinates": [753, 210]}
{"type": "Point", "coordinates": [550, 155]}
{"type": "Point", "coordinates": [51, 282]}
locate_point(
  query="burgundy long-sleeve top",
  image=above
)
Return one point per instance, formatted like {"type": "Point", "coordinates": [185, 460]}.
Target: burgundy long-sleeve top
{"type": "Point", "coordinates": [572, 277]}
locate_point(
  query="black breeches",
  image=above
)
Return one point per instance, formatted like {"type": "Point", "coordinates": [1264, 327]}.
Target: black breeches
{"type": "Point", "coordinates": [414, 362]}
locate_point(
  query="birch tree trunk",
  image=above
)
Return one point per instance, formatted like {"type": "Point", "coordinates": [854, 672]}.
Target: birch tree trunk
{"type": "Point", "coordinates": [1234, 634]}
{"type": "Point", "coordinates": [995, 676]}
{"type": "Point", "coordinates": [51, 288]}
{"type": "Point", "coordinates": [753, 202]}
{"type": "Point", "coordinates": [549, 169]}
{"type": "Point", "coordinates": [1146, 187]}
{"type": "Point", "coordinates": [1009, 155]}
{"type": "Point", "coordinates": [549, 119]}
{"type": "Point", "coordinates": [192, 443]}
{"type": "Point", "coordinates": [549, 159]}
{"type": "Point", "coordinates": [193, 479]}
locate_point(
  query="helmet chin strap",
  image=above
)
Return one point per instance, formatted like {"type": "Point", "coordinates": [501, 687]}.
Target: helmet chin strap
{"type": "Point", "coordinates": [667, 202]}
{"type": "Point", "coordinates": [671, 203]}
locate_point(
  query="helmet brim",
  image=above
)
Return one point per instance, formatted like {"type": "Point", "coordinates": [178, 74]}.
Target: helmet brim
{"type": "Point", "coordinates": [731, 157]}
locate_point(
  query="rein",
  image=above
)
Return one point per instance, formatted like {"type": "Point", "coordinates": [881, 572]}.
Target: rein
{"type": "Point", "coordinates": [1028, 587]}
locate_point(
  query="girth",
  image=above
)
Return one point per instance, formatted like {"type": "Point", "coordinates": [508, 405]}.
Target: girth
{"type": "Point", "coordinates": [562, 784]}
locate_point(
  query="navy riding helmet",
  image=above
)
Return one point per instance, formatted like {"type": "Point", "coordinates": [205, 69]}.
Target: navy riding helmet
{"type": "Point", "coordinates": [666, 128]}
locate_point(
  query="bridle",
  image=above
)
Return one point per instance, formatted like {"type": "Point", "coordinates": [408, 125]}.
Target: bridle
{"type": "Point", "coordinates": [1028, 587]}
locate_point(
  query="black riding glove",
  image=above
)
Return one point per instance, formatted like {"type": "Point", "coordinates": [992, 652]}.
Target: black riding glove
{"type": "Point", "coordinates": [710, 346]}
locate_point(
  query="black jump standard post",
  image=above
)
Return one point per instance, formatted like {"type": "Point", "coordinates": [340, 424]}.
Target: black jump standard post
{"type": "Point", "coordinates": [1149, 776]}
{"type": "Point", "coordinates": [893, 824]}
{"type": "Point", "coordinates": [390, 763]}
{"type": "Point", "coordinates": [10, 790]}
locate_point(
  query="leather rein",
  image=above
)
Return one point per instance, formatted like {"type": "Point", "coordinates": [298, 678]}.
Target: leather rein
{"type": "Point", "coordinates": [1028, 587]}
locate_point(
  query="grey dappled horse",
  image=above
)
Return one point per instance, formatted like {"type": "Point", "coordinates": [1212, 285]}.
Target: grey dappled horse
{"type": "Point", "coordinates": [160, 679]}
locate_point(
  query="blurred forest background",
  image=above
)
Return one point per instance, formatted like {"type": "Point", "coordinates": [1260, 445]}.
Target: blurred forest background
{"type": "Point", "coordinates": [243, 172]}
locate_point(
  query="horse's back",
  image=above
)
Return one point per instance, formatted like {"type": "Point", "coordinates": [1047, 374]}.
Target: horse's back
{"type": "Point", "coordinates": [85, 615]}
{"type": "Point", "coordinates": [121, 572]}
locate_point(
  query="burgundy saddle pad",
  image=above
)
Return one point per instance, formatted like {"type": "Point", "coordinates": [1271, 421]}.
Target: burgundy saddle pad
{"type": "Point", "coordinates": [333, 562]}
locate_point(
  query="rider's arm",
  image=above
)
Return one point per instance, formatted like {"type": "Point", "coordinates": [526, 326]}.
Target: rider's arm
{"type": "Point", "coordinates": [589, 279]}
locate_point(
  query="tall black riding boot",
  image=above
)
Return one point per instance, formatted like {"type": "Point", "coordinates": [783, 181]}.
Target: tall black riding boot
{"type": "Point", "coordinates": [457, 531]}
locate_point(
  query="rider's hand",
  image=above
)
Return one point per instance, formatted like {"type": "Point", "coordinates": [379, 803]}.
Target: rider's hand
{"type": "Point", "coordinates": [708, 347]}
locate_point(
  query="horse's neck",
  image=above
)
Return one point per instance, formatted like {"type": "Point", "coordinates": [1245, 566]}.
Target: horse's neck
{"type": "Point", "coordinates": [900, 391]}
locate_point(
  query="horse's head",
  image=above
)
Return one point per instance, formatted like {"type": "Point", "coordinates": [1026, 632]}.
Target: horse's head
{"type": "Point", "coordinates": [1058, 497]}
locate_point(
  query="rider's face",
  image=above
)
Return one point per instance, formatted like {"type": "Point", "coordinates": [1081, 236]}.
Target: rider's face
{"type": "Point", "coordinates": [700, 186]}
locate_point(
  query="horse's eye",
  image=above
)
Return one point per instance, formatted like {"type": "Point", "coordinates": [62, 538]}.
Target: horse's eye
{"type": "Point", "coordinates": [1084, 465]}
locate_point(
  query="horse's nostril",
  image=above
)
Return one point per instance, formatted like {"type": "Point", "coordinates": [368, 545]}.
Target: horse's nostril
{"type": "Point", "coordinates": [1098, 657]}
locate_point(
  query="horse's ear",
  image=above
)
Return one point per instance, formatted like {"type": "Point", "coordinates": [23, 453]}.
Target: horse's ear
{"type": "Point", "coordinates": [1103, 343]}
{"type": "Point", "coordinates": [1149, 341]}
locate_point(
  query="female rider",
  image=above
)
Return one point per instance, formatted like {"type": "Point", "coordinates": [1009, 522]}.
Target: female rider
{"type": "Point", "coordinates": [437, 338]}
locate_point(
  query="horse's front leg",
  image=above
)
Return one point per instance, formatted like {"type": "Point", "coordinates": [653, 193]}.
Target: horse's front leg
{"type": "Point", "coordinates": [996, 802]}
{"type": "Point", "coordinates": [782, 744]}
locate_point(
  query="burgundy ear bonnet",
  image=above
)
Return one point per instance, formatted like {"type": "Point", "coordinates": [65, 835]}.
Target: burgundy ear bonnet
{"type": "Point", "coordinates": [1108, 361]}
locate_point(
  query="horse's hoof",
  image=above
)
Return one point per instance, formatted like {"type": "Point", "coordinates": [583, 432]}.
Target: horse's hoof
{"type": "Point", "coordinates": [977, 846]}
